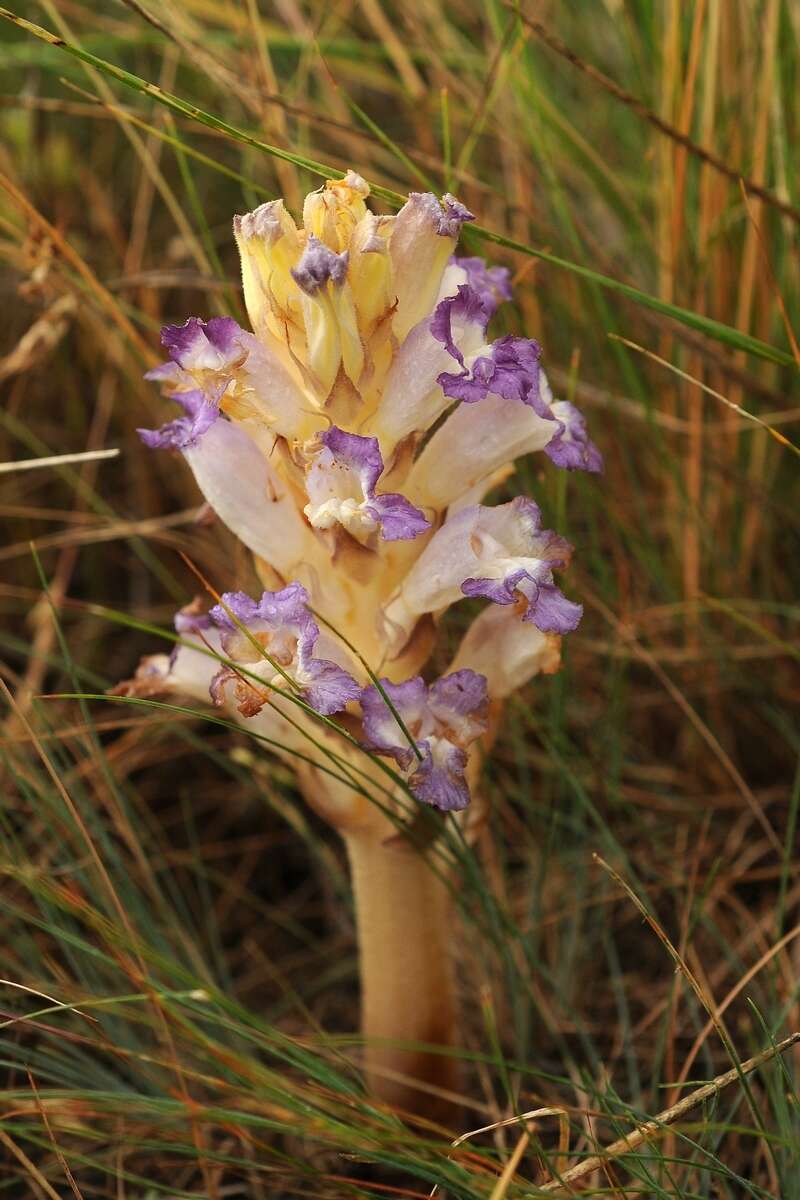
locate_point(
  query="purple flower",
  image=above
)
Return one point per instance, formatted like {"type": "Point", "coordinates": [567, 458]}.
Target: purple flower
{"type": "Point", "coordinates": [500, 552]}
{"type": "Point", "coordinates": [442, 720]}
{"type": "Point", "coordinates": [283, 628]}
{"type": "Point", "coordinates": [179, 434]}
{"type": "Point", "coordinates": [199, 343]}
{"type": "Point", "coordinates": [524, 567]}
{"type": "Point", "coordinates": [492, 284]}
{"type": "Point", "coordinates": [467, 307]}
{"type": "Point", "coordinates": [341, 490]}
{"type": "Point", "coordinates": [202, 357]}
{"type": "Point", "coordinates": [571, 447]}
{"type": "Point", "coordinates": [197, 347]}
{"type": "Point", "coordinates": [317, 265]}
{"type": "Point", "coordinates": [445, 216]}
{"type": "Point", "coordinates": [547, 608]}
{"type": "Point", "coordinates": [411, 400]}
{"type": "Point", "coordinates": [454, 216]}
{"type": "Point", "coordinates": [508, 367]}
{"type": "Point", "coordinates": [220, 359]}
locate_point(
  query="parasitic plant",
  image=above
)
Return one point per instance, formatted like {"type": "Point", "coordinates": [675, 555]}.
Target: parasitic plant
{"type": "Point", "coordinates": [349, 442]}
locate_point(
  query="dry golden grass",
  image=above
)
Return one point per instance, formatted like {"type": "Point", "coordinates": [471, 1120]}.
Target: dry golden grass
{"type": "Point", "coordinates": [190, 915]}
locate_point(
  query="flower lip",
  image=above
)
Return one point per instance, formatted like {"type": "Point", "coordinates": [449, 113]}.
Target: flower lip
{"type": "Point", "coordinates": [497, 551]}
{"type": "Point", "coordinates": [200, 411]}
{"type": "Point", "coordinates": [572, 447]}
{"type": "Point", "coordinates": [469, 306]}
{"type": "Point", "coordinates": [519, 561]}
{"type": "Point", "coordinates": [493, 284]}
{"type": "Point", "coordinates": [443, 720]}
{"type": "Point", "coordinates": [446, 215]}
{"type": "Point", "coordinates": [281, 623]}
{"type": "Point", "coordinates": [509, 368]}
{"type": "Point", "coordinates": [202, 354]}
{"type": "Point", "coordinates": [547, 607]}
{"type": "Point", "coordinates": [318, 264]}
{"type": "Point", "coordinates": [454, 216]}
{"type": "Point", "coordinates": [289, 605]}
{"type": "Point", "coordinates": [341, 489]}
{"type": "Point", "coordinates": [189, 344]}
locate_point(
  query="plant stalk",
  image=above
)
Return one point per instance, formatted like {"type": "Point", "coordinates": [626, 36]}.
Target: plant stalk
{"type": "Point", "coordinates": [405, 932]}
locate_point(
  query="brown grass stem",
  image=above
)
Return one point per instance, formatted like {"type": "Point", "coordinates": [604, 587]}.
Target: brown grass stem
{"type": "Point", "coordinates": [669, 1116]}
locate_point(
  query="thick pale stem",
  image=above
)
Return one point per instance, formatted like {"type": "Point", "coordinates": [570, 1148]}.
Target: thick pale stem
{"type": "Point", "coordinates": [405, 931]}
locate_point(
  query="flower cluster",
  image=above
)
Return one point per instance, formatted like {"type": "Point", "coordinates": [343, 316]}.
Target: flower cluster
{"type": "Point", "coordinates": [350, 442]}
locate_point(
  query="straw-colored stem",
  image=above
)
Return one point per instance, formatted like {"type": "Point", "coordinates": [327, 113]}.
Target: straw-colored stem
{"type": "Point", "coordinates": [405, 933]}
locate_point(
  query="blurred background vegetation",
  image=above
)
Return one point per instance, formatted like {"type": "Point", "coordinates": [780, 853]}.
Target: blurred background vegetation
{"type": "Point", "coordinates": [178, 962]}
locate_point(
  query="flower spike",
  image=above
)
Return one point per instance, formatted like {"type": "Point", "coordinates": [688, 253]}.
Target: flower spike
{"type": "Point", "coordinates": [354, 443]}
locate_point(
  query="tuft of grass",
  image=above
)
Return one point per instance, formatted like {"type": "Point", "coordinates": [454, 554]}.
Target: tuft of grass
{"type": "Point", "coordinates": [177, 974]}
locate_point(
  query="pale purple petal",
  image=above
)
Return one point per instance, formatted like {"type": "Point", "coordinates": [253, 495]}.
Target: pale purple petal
{"type": "Point", "coordinates": [289, 606]}
{"type": "Point", "coordinates": [455, 214]}
{"type": "Point", "coordinates": [458, 695]}
{"type": "Point", "coordinates": [168, 372]}
{"type": "Point", "coordinates": [331, 687]}
{"type": "Point", "coordinates": [242, 606]}
{"type": "Point", "coordinates": [381, 730]}
{"type": "Point", "coordinates": [360, 454]}
{"type": "Point", "coordinates": [182, 432]}
{"type": "Point", "coordinates": [285, 608]}
{"type": "Point", "coordinates": [571, 447]}
{"type": "Point", "coordinates": [469, 306]}
{"type": "Point", "coordinates": [499, 591]}
{"type": "Point", "coordinates": [446, 216]}
{"type": "Point", "coordinates": [201, 344]}
{"type": "Point", "coordinates": [493, 284]}
{"type": "Point", "coordinates": [318, 264]}
{"type": "Point", "coordinates": [218, 356]}
{"type": "Point", "coordinates": [199, 349]}
{"type": "Point", "coordinates": [347, 454]}
{"type": "Point", "coordinates": [552, 612]}
{"type": "Point", "coordinates": [439, 778]}
{"type": "Point", "coordinates": [510, 368]}
{"type": "Point", "coordinates": [398, 518]}
{"type": "Point", "coordinates": [443, 720]}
